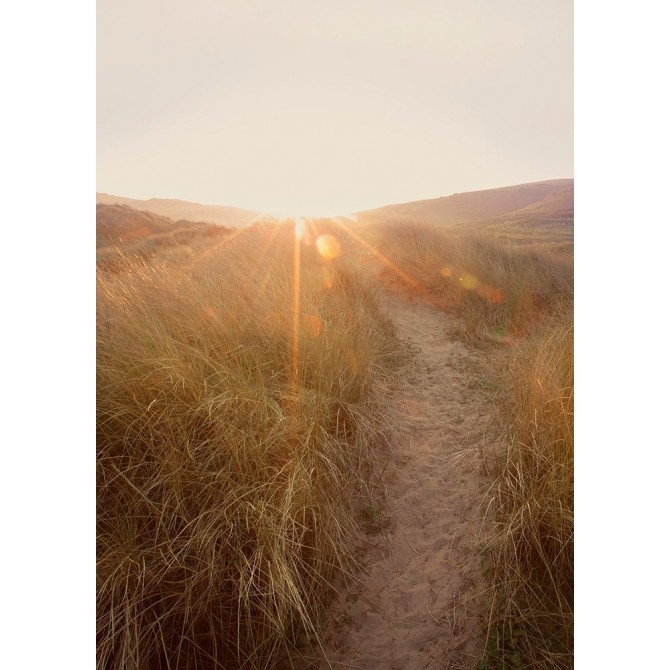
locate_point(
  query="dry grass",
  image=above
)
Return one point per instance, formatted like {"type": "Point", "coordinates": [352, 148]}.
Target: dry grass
{"type": "Point", "coordinates": [531, 550]}
{"type": "Point", "coordinates": [125, 236]}
{"type": "Point", "coordinates": [517, 305]}
{"type": "Point", "coordinates": [499, 291]}
{"type": "Point", "coordinates": [234, 427]}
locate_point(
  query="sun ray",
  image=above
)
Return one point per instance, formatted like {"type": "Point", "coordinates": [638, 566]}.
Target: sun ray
{"type": "Point", "coordinates": [293, 398]}
{"type": "Point", "coordinates": [491, 293]}
{"type": "Point", "coordinates": [379, 255]}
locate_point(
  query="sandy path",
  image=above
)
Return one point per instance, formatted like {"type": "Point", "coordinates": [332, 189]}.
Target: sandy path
{"type": "Point", "coordinates": [416, 604]}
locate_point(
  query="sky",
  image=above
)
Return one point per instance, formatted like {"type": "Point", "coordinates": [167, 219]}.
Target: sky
{"type": "Point", "coordinates": [324, 108]}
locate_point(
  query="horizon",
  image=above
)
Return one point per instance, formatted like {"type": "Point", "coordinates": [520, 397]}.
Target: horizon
{"type": "Point", "coordinates": [333, 214]}
{"type": "Point", "coordinates": [331, 109]}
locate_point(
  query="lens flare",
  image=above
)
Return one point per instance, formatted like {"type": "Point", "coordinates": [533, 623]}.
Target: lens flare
{"type": "Point", "coordinates": [491, 293]}
{"type": "Point", "coordinates": [314, 326]}
{"type": "Point", "coordinates": [328, 277]}
{"type": "Point", "coordinates": [378, 254]}
{"type": "Point", "coordinates": [328, 246]}
{"type": "Point", "coordinates": [470, 282]}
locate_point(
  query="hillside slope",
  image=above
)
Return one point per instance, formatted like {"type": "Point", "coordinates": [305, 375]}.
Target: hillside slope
{"type": "Point", "coordinates": [121, 224]}
{"type": "Point", "coordinates": [473, 205]}
{"type": "Point", "coordinates": [124, 234]}
{"type": "Point", "coordinates": [548, 220]}
{"type": "Point", "coordinates": [182, 209]}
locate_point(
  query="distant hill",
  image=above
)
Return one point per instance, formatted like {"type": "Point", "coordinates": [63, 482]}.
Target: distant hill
{"type": "Point", "coordinates": [538, 212]}
{"type": "Point", "coordinates": [472, 205]}
{"type": "Point", "coordinates": [183, 210]}
{"type": "Point", "coordinates": [558, 205]}
{"type": "Point", "coordinates": [552, 216]}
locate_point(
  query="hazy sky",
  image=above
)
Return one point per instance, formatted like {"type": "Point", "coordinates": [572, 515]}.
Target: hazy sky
{"type": "Point", "coordinates": [308, 106]}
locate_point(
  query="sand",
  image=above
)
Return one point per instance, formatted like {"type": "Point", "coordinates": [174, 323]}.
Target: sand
{"type": "Point", "coordinates": [417, 602]}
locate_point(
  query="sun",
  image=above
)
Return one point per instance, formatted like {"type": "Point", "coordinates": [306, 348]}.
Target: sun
{"type": "Point", "coordinates": [307, 213]}
{"type": "Point", "coordinates": [299, 227]}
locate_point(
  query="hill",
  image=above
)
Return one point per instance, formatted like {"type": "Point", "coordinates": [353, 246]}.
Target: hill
{"type": "Point", "coordinates": [472, 205]}
{"type": "Point", "coordinates": [537, 212]}
{"type": "Point", "coordinates": [121, 224]}
{"type": "Point", "coordinates": [124, 233]}
{"type": "Point", "coordinates": [552, 217]}
{"type": "Point", "coordinates": [182, 209]}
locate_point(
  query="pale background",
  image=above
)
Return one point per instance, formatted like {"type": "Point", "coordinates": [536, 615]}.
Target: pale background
{"type": "Point", "coordinates": [323, 107]}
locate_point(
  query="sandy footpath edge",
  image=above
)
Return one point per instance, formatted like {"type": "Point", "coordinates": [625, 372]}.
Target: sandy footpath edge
{"type": "Point", "coordinates": [420, 600]}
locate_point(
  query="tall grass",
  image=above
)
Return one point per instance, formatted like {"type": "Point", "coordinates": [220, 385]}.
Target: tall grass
{"type": "Point", "coordinates": [127, 253]}
{"type": "Point", "coordinates": [531, 549]}
{"type": "Point", "coordinates": [499, 291]}
{"type": "Point", "coordinates": [517, 306]}
{"type": "Point", "coordinates": [239, 402]}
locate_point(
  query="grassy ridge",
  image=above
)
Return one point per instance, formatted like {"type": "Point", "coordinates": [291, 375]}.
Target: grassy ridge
{"type": "Point", "coordinates": [124, 235]}
{"type": "Point", "coordinates": [234, 427]}
{"type": "Point", "coordinates": [517, 306]}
